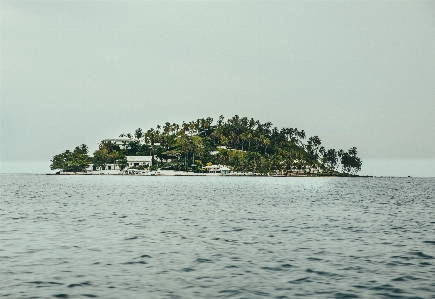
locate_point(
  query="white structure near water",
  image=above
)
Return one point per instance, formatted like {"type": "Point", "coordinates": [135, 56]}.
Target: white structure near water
{"type": "Point", "coordinates": [221, 169]}
{"type": "Point", "coordinates": [133, 161]}
{"type": "Point", "coordinates": [139, 160]}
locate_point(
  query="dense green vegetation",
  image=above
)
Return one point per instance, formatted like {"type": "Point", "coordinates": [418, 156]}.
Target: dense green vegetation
{"type": "Point", "coordinates": [74, 161]}
{"type": "Point", "coordinates": [244, 144]}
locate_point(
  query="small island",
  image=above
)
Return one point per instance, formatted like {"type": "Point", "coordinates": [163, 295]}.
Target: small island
{"type": "Point", "coordinates": [237, 146]}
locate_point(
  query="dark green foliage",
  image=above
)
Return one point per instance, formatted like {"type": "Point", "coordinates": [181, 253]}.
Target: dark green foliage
{"type": "Point", "coordinates": [75, 161]}
{"type": "Point", "coordinates": [351, 164]}
{"type": "Point", "coordinates": [242, 143]}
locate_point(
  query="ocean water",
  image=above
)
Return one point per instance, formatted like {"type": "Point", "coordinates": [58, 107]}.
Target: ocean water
{"type": "Point", "coordinates": [216, 237]}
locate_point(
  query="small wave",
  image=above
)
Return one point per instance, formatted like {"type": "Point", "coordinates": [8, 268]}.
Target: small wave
{"type": "Point", "coordinates": [230, 293]}
{"type": "Point", "coordinates": [387, 287]}
{"type": "Point", "coordinates": [73, 285]}
{"type": "Point", "coordinates": [187, 270]}
{"type": "Point", "coordinates": [200, 260]}
{"type": "Point", "coordinates": [405, 278]}
{"type": "Point", "coordinates": [42, 284]}
{"type": "Point", "coordinates": [132, 263]}
{"type": "Point", "coordinates": [300, 280]}
{"type": "Point", "coordinates": [345, 296]}
{"type": "Point", "coordinates": [272, 268]}
{"type": "Point", "coordinates": [323, 273]}
{"type": "Point", "coordinates": [422, 255]}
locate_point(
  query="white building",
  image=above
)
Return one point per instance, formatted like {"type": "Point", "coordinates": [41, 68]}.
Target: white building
{"type": "Point", "coordinates": [222, 169]}
{"type": "Point", "coordinates": [139, 160]}
{"type": "Point", "coordinates": [121, 142]}
{"type": "Point", "coordinates": [133, 161]}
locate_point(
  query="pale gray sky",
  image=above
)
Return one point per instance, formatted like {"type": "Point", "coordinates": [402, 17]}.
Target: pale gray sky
{"type": "Point", "coordinates": [355, 73]}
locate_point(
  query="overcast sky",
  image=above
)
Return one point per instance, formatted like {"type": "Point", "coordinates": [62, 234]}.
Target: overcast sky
{"type": "Point", "coordinates": [354, 73]}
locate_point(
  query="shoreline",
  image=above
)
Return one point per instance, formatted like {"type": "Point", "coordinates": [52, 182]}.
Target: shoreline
{"type": "Point", "coordinates": [214, 175]}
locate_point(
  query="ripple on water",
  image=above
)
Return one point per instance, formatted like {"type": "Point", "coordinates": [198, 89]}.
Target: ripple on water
{"type": "Point", "coordinates": [143, 237]}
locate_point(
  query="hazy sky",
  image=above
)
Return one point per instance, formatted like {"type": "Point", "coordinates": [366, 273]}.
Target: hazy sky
{"type": "Point", "coordinates": [354, 73]}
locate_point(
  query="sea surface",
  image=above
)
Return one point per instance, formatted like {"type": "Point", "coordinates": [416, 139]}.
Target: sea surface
{"type": "Point", "coordinates": [216, 237]}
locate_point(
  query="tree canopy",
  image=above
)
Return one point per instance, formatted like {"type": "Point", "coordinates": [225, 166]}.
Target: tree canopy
{"type": "Point", "coordinates": [75, 161]}
{"type": "Point", "coordinates": [244, 144]}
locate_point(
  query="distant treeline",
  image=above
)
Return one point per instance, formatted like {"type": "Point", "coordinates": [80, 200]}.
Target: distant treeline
{"type": "Point", "coordinates": [243, 144]}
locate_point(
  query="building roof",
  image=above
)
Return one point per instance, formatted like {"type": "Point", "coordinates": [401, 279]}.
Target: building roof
{"type": "Point", "coordinates": [217, 167]}
{"type": "Point", "coordinates": [119, 139]}
{"type": "Point", "coordinates": [212, 166]}
{"type": "Point", "coordinates": [139, 158]}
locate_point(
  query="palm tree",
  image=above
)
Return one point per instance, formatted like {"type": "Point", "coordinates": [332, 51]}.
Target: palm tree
{"type": "Point", "coordinates": [138, 133]}
{"type": "Point", "coordinates": [114, 155]}
{"type": "Point", "coordinates": [277, 149]}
